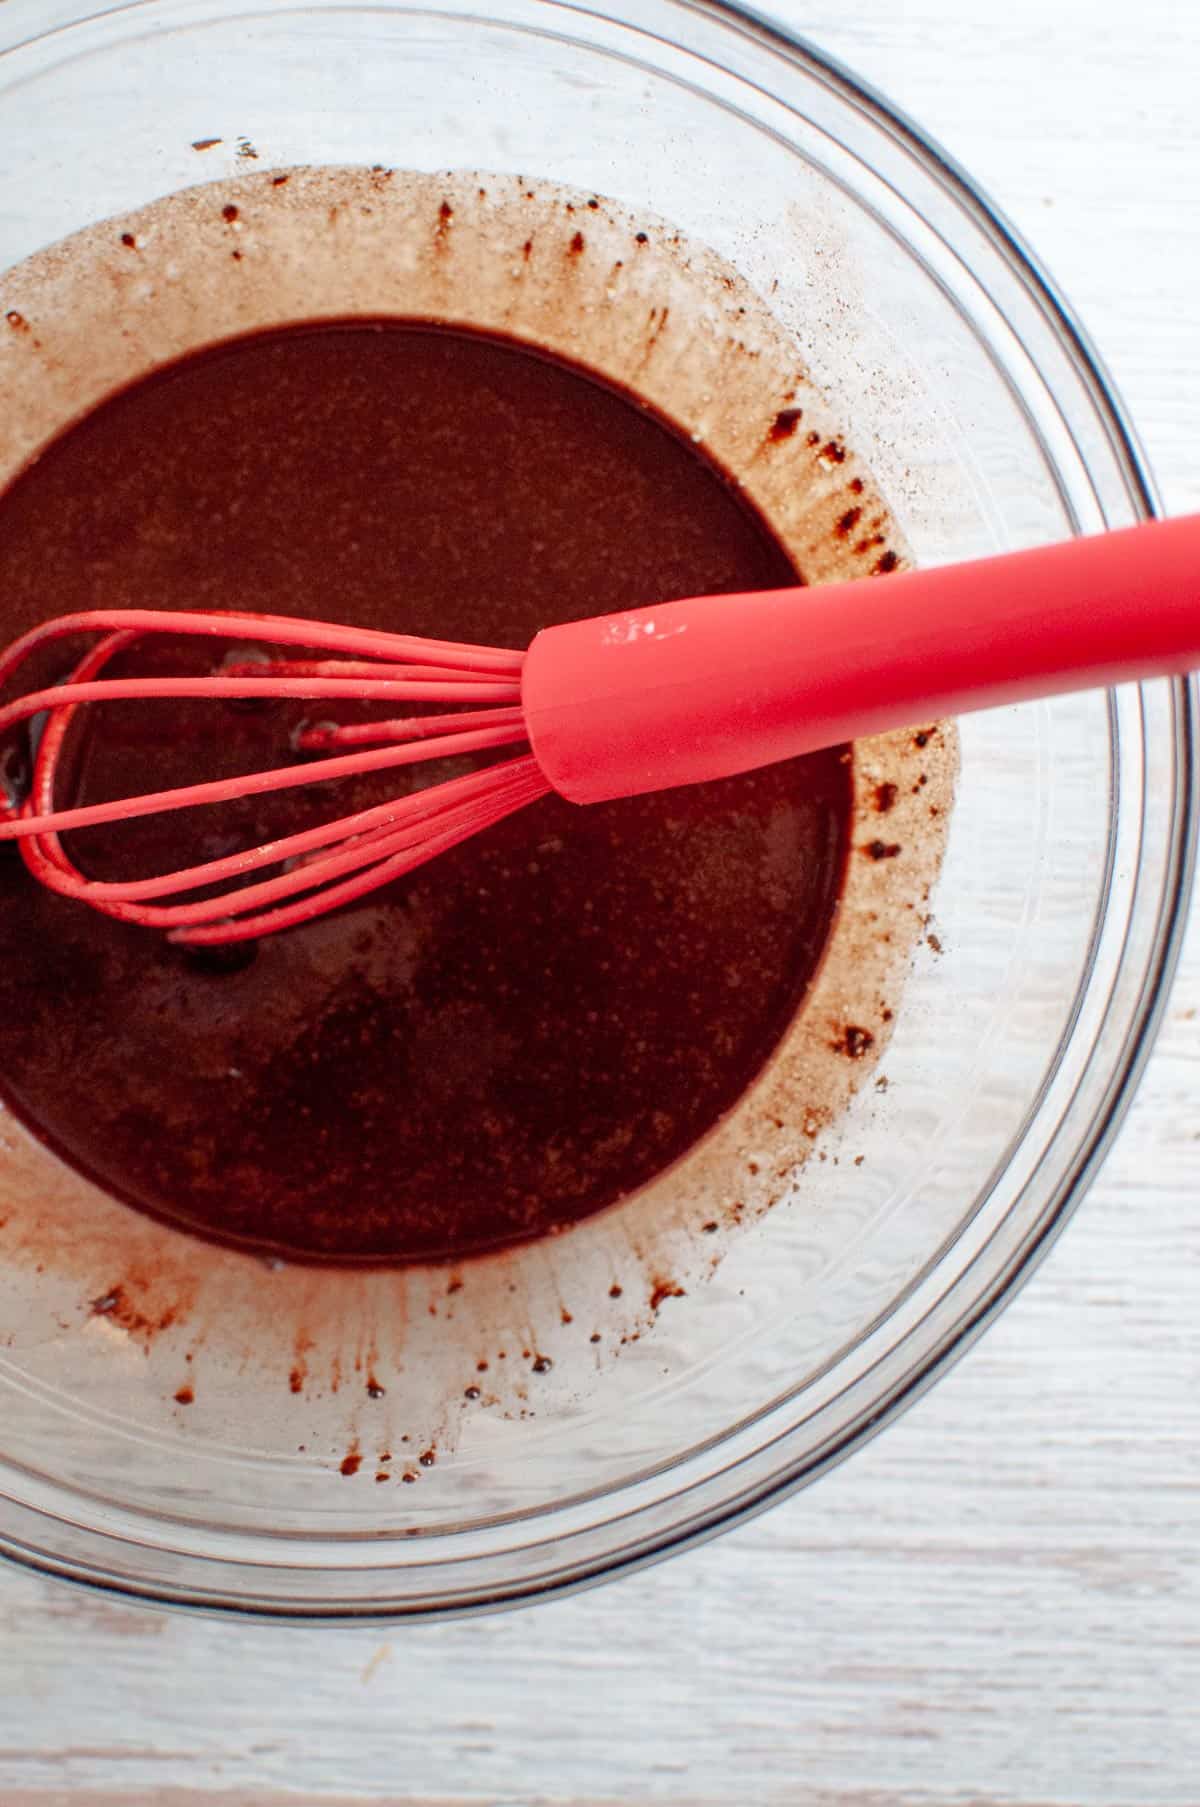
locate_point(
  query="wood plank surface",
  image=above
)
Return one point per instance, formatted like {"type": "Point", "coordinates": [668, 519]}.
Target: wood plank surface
{"type": "Point", "coordinates": [998, 1602]}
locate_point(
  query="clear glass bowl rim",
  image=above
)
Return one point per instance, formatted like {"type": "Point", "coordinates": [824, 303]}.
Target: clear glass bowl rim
{"type": "Point", "coordinates": [100, 1560]}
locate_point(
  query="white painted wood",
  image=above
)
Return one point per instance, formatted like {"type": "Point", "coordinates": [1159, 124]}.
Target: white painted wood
{"type": "Point", "coordinates": [999, 1601]}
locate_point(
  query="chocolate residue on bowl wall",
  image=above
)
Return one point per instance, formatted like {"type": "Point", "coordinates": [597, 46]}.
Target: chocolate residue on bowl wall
{"type": "Point", "coordinates": [352, 1364]}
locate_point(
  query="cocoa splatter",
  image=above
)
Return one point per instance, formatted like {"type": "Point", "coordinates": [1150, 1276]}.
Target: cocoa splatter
{"type": "Point", "coordinates": [118, 1305]}
{"type": "Point", "coordinates": [784, 424]}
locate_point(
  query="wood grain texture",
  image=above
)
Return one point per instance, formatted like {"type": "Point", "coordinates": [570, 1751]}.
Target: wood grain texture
{"type": "Point", "coordinates": [998, 1602]}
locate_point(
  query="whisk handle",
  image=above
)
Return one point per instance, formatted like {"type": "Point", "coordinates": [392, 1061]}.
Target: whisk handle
{"type": "Point", "coordinates": [688, 691]}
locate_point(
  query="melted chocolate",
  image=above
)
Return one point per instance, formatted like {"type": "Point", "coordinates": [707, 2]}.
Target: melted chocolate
{"type": "Point", "coordinates": [527, 1029]}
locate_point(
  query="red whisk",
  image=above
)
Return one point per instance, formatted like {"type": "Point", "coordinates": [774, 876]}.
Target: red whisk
{"type": "Point", "coordinates": [609, 707]}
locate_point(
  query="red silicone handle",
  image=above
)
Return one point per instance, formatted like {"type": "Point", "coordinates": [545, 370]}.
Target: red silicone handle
{"type": "Point", "coordinates": [687, 691]}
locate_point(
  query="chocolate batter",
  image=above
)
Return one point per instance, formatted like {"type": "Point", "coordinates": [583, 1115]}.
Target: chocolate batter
{"type": "Point", "coordinates": [532, 1026]}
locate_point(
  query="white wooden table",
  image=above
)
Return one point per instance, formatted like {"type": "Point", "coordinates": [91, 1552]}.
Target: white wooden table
{"type": "Point", "coordinates": [998, 1601]}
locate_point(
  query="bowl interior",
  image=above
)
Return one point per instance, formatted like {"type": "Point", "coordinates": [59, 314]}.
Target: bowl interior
{"type": "Point", "coordinates": [1036, 957]}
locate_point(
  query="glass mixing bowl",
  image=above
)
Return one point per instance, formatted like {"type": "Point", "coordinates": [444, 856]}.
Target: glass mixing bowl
{"type": "Point", "coordinates": [959, 373]}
